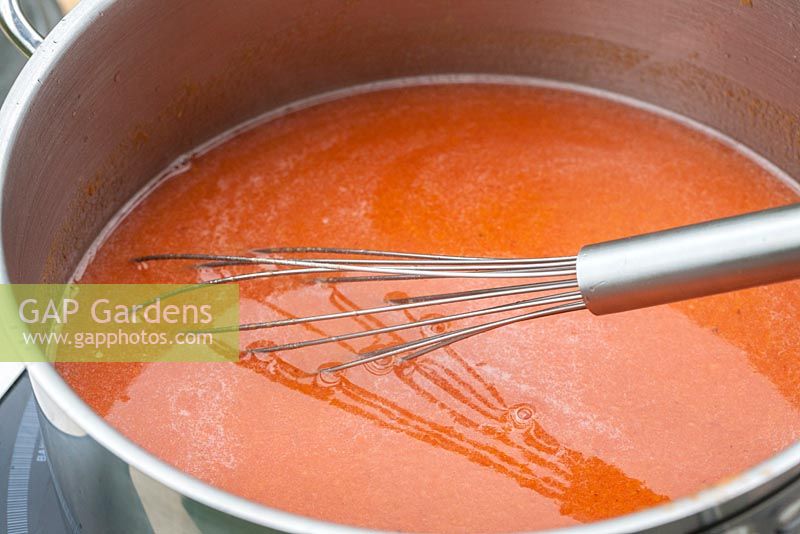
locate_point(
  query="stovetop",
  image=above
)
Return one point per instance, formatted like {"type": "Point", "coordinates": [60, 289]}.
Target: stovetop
{"type": "Point", "coordinates": [28, 500]}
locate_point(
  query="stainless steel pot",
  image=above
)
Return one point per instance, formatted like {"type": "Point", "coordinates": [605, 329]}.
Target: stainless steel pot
{"type": "Point", "coordinates": [122, 87]}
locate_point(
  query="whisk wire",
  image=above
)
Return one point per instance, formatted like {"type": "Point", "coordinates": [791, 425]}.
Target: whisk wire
{"type": "Point", "coordinates": [448, 338]}
{"type": "Point", "coordinates": [559, 272]}
{"type": "Point", "coordinates": [489, 293]}
{"type": "Point", "coordinates": [572, 296]}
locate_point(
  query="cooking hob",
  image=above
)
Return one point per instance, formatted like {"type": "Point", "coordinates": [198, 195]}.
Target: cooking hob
{"type": "Point", "coordinates": [28, 498]}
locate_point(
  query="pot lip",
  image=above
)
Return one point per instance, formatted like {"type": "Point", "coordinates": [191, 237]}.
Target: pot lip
{"type": "Point", "coordinates": [729, 496]}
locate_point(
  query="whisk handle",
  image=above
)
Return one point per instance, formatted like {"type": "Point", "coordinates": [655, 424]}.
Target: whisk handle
{"type": "Point", "coordinates": [691, 261]}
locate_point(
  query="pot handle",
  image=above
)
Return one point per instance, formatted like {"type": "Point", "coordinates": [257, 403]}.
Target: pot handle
{"type": "Point", "coordinates": [17, 27]}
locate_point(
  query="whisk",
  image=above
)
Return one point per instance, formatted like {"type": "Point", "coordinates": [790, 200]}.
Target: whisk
{"type": "Point", "coordinates": [636, 272]}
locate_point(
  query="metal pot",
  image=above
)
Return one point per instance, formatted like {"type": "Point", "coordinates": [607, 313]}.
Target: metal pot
{"type": "Point", "coordinates": [121, 88]}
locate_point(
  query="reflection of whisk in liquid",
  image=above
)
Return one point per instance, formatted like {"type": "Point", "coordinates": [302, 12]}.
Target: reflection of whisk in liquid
{"type": "Point", "coordinates": [471, 419]}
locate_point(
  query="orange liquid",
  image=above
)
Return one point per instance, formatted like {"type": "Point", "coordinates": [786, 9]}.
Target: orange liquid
{"type": "Point", "coordinates": [552, 422]}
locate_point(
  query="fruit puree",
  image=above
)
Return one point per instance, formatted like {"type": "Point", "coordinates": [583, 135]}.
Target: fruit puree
{"type": "Point", "coordinates": [552, 422]}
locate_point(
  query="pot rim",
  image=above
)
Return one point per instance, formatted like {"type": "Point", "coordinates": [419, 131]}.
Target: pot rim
{"type": "Point", "coordinates": [691, 511]}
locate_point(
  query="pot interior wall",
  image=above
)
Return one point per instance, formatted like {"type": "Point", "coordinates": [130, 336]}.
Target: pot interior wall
{"type": "Point", "coordinates": [149, 80]}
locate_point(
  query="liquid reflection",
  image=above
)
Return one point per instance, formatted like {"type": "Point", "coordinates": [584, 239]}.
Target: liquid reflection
{"type": "Point", "coordinates": [464, 414]}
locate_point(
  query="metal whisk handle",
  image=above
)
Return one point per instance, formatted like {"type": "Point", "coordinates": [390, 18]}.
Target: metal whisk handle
{"type": "Point", "coordinates": [691, 261]}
